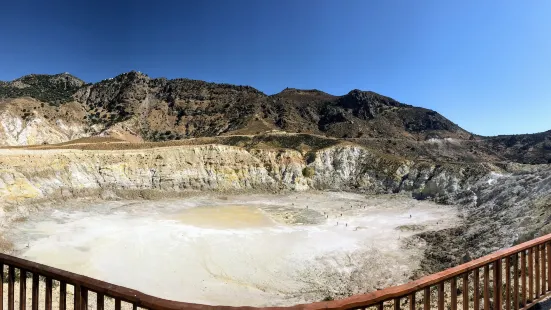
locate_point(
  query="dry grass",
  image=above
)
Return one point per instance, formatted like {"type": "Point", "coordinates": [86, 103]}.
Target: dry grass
{"type": "Point", "coordinates": [300, 142]}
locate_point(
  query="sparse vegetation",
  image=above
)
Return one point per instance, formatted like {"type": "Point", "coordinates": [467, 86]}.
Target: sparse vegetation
{"type": "Point", "coordinates": [410, 227]}
{"type": "Point", "coordinates": [46, 88]}
{"type": "Point", "coordinates": [308, 172]}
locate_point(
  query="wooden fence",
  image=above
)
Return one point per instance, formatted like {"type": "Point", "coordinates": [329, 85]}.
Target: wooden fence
{"type": "Point", "coordinates": [514, 278]}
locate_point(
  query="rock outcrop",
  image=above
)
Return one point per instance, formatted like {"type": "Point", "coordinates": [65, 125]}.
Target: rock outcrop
{"type": "Point", "coordinates": [34, 175]}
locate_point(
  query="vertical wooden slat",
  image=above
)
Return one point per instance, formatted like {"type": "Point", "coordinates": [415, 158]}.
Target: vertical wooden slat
{"type": "Point", "coordinates": [523, 277]}
{"type": "Point", "coordinates": [83, 298]}
{"type": "Point", "coordinates": [530, 276]}
{"type": "Point", "coordinates": [380, 306]}
{"type": "Point", "coordinates": [515, 280]}
{"type": "Point", "coordinates": [476, 291]}
{"type": "Point", "coordinates": [62, 295]}
{"type": "Point", "coordinates": [77, 303]}
{"type": "Point", "coordinates": [396, 304]}
{"type": "Point", "coordinates": [100, 302]}
{"type": "Point", "coordinates": [441, 296]}
{"type": "Point", "coordinates": [48, 295]}
{"type": "Point", "coordinates": [466, 291]}
{"type": "Point", "coordinates": [543, 273]}
{"type": "Point", "coordinates": [497, 284]}
{"type": "Point", "coordinates": [11, 279]}
{"type": "Point", "coordinates": [537, 269]}
{"type": "Point", "coordinates": [2, 287]}
{"type": "Point", "coordinates": [35, 292]}
{"type": "Point", "coordinates": [22, 289]}
{"type": "Point", "coordinates": [426, 299]}
{"type": "Point", "coordinates": [454, 293]}
{"type": "Point", "coordinates": [118, 304]}
{"type": "Point", "coordinates": [486, 287]}
{"type": "Point", "coordinates": [507, 283]}
{"type": "Point", "coordinates": [548, 250]}
{"type": "Point", "coordinates": [396, 301]}
{"type": "Point", "coordinates": [412, 301]}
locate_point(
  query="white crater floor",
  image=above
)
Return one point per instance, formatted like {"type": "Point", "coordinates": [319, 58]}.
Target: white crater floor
{"type": "Point", "coordinates": [255, 250]}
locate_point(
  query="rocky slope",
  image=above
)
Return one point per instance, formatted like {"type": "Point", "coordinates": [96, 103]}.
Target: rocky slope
{"type": "Point", "coordinates": [35, 175]}
{"type": "Point", "coordinates": [527, 148]}
{"type": "Point", "coordinates": [133, 104]}
{"type": "Point", "coordinates": [500, 210]}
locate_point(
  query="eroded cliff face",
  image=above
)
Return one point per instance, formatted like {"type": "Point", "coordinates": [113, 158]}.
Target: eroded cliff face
{"type": "Point", "coordinates": [34, 175]}
{"type": "Point", "coordinates": [18, 131]}
{"type": "Point", "coordinates": [26, 121]}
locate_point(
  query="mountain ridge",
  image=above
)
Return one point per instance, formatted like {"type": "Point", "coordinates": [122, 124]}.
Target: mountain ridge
{"type": "Point", "coordinates": [41, 108]}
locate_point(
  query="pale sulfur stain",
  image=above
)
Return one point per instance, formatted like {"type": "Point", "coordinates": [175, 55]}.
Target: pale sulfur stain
{"type": "Point", "coordinates": [224, 217]}
{"type": "Point", "coordinates": [21, 189]}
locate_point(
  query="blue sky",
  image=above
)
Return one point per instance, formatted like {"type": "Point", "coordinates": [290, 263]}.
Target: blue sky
{"type": "Point", "coordinates": [485, 65]}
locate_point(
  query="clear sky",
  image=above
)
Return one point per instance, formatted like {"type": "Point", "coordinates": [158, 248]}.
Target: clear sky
{"type": "Point", "coordinates": [485, 65]}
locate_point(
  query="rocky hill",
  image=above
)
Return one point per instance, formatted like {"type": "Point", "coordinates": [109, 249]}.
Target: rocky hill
{"type": "Point", "coordinates": [45, 109]}
{"type": "Point", "coordinates": [527, 148]}
{"type": "Point", "coordinates": [161, 109]}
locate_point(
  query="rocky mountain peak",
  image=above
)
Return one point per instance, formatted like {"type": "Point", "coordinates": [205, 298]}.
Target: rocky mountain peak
{"type": "Point", "coordinates": [54, 89]}
{"type": "Point", "coordinates": [367, 104]}
{"type": "Point", "coordinates": [44, 80]}
{"type": "Point", "coordinates": [302, 91]}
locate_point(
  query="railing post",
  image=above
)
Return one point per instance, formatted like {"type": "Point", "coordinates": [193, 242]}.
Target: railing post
{"type": "Point", "coordinates": [537, 267]}
{"type": "Point", "coordinates": [62, 295]}
{"type": "Point", "coordinates": [548, 248]}
{"type": "Point", "coordinates": [441, 295]}
{"type": "Point", "coordinates": [11, 280]}
{"type": "Point", "coordinates": [77, 296]}
{"type": "Point", "coordinates": [497, 285]}
{"type": "Point", "coordinates": [486, 287]}
{"type": "Point", "coordinates": [515, 279]}
{"type": "Point", "coordinates": [426, 299]}
{"type": "Point", "coordinates": [508, 283]}
{"type": "Point", "coordinates": [35, 292]}
{"type": "Point", "coordinates": [543, 273]}
{"type": "Point", "coordinates": [1, 286]}
{"type": "Point", "coordinates": [48, 296]}
{"type": "Point", "coordinates": [466, 291]}
{"type": "Point", "coordinates": [22, 289]}
{"type": "Point", "coordinates": [396, 303]}
{"type": "Point", "coordinates": [84, 298]}
{"type": "Point", "coordinates": [476, 293]}
{"type": "Point", "coordinates": [100, 301]}
{"type": "Point", "coordinates": [412, 301]}
{"type": "Point", "coordinates": [530, 275]}
{"type": "Point", "coordinates": [454, 293]}
{"type": "Point", "coordinates": [523, 276]}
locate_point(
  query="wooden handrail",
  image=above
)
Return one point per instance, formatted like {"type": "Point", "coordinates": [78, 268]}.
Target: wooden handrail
{"type": "Point", "coordinates": [369, 299]}
{"type": "Point", "coordinates": [430, 280]}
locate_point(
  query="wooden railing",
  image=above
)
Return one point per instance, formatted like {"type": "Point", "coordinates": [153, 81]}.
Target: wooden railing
{"type": "Point", "coordinates": [514, 278]}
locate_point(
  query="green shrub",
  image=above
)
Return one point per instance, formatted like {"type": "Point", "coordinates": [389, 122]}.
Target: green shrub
{"type": "Point", "coordinates": [308, 172]}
